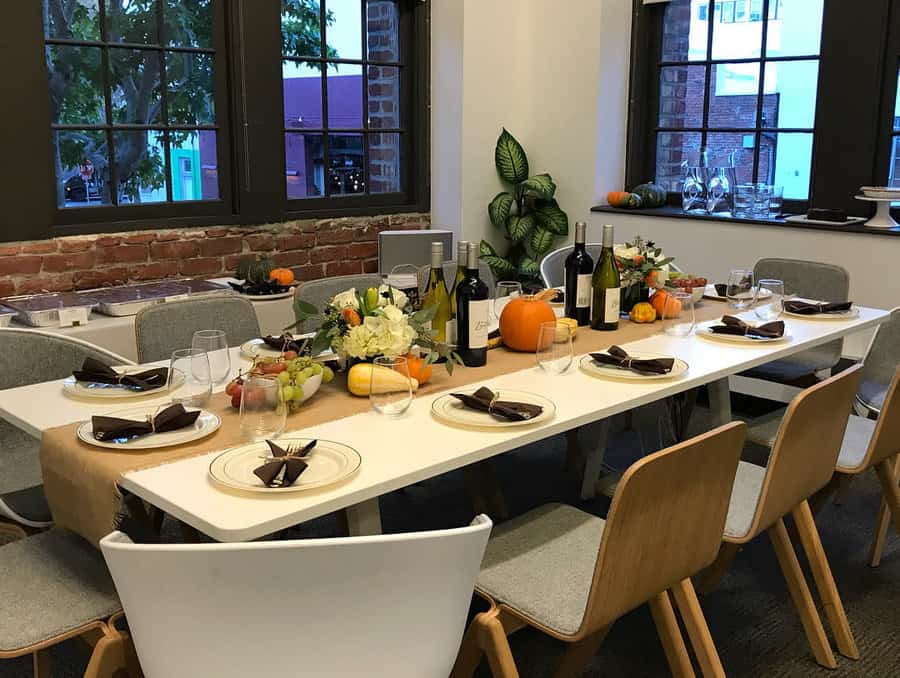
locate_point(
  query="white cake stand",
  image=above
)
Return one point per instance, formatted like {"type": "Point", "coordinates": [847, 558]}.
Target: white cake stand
{"type": "Point", "coordinates": [882, 218]}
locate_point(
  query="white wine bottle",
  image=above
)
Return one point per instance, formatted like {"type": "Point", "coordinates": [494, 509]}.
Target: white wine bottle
{"type": "Point", "coordinates": [462, 251]}
{"type": "Point", "coordinates": [436, 293]}
{"type": "Point", "coordinates": [606, 284]}
{"type": "Point", "coordinates": [579, 267]}
{"type": "Point", "coordinates": [472, 315]}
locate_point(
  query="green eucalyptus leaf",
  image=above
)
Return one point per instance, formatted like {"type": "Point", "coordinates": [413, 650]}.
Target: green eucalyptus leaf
{"type": "Point", "coordinates": [519, 227]}
{"type": "Point", "coordinates": [321, 342]}
{"type": "Point", "coordinates": [303, 310]}
{"type": "Point", "coordinates": [541, 241]}
{"type": "Point", "coordinates": [510, 158]}
{"type": "Point", "coordinates": [529, 268]}
{"type": "Point", "coordinates": [499, 209]}
{"type": "Point", "coordinates": [540, 185]}
{"type": "Point", "coordinates": [549, 216]}
{"type": "Point", "coordinates": [424, 315]}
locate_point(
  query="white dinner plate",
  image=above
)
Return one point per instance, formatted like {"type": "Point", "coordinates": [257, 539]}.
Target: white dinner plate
{"type": "Point", "coordinates": [705, 332]}
{"type": "Point", "coordinates": [710, 293]}
{"type": "Point", "coordinates": [849, 314]}
{"type": "Point", "coordinates": [206, 424]}
{"type": "Point", "coordinates": [329, 463]}
{"type": "Point", "coordinates": [451, 411]}
{"type": "Point", "coordinates": [257, 348]}
{"type": "Point", "coordinates": [267, 297]}
{"type": "Point", "coordinates": [114, 391]}
{"type": "Point", "coordinates": [595, 369]}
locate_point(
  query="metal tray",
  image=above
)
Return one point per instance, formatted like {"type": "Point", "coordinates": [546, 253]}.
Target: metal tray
{"type": "Point", "coordinates": [124, 301]}
{"type": "Point", "coordinates": [43, 310]}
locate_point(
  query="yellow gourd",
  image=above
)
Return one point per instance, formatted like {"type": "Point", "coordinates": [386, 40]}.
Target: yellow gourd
{"type": "Point", "coordinates": [642, 312]}
{"type": "Point", "coordinates": [360, 379]}
{"type": "Point", "coordinates": [561, 335]}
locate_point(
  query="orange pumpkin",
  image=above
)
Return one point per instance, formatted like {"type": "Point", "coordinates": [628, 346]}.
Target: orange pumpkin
{"type": "Point", "coordinates": [665, 304]}
{"type": "Point", "coordinates": [417, 368]}
{"type": "Point", "coordinates": [520, 322]}
{"type": "Point", "coordinates": [617, 198]}
{"type": "Point", "coordinates": [351, 317]}
{"type": "Point", "coordinates": [283, 276]}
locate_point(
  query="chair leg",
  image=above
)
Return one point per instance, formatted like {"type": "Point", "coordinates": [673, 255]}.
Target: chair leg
{"type": "Point", "coordinates": [108, 657]}
{"type": "Point", "coordinates": [670, 636]}
{"type": "Point", "coordinates": [578, 655]}
{"type": "Point", "coordinates": [801, 596]}
{"type": "Point", "coordinates": [828, 592]}
{"type": "Point", "coordinates": [709, 578]}
{"type": "Point", "coordinates": [881, 530]}
{"type": "Point", "coordinates": [11, 531]}
{"type": "Point", "coordinates": [41, 663]}
{"type": "Point", "coordinates": [890, 490]}
{"type": "Point", "coordinates": [470, 653]}
{"type": "Point", "coordinates": [698, 631]}
{"type": "Point", "coordinates": [495, 645]}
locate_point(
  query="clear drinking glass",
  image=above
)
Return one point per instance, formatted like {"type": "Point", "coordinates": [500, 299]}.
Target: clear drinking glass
{"type": "Point", "coordinates": [693, 189]}
{"type": "Point", "coordinates": [678, 318]}
{"type": "Point", "coordinates": [744, 197]}
{"type": "Point", "coordinates": [389, 396]}
{"type": "Point", "coordinates": [769, 306]}
{"type": "Point", "coordinates": [739, 289]}
{"type": "Point", "coordinates": [505, 291]}
{"type": "Point", "coordinates": [776, 202]}
{"type": "Point", "coordinates": [761, 196]}
{"type": "Point", "coordinates": [215, 344]}
{"type": "Point", "coordinates": [189, 377]}
{"type": "Point", "coordinates": [263, 415]}
{"type": "Point", "coordinates": [555, 351]}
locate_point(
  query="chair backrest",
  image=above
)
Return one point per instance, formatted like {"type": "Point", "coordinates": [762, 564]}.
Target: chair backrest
{"type": "Point", "coordinates": [552, 265]}
{"type": "Point", "coordinates": [161, 329]}
{"type": "Point", "coordinates": [885, 442]}
{"type": "Point", "coordinates": [484, 272]}
{"type": "Point", "coordinates": [32, 356]}
{"type": "Point", "coordinates": [883, 356]}
{"type": "Point", "coordinates": [807, 278]}
{"type": "Point", "coordinates": [391, 606]}
{"type": "Point", "coordinates": [319, 292]}
{"type": "Point", "coordinates": [665, 523]}
{"type": "Point", "coordinates": [806, 448]}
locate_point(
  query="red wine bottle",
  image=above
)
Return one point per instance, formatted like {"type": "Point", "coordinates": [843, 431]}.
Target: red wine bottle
{"type": "Point", "coordinates": [579, 270]}
{"type": "Point", "coordinates": [472, 314]}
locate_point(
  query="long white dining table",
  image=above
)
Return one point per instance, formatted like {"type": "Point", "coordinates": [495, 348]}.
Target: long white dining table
{"type": "Point", "coordinates": [398, 452]}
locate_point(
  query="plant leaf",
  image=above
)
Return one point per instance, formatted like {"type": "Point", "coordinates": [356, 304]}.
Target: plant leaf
{"type": "Point", "coordinates": [541, 241]}
{"type": "Point", "coordinates": [529, 268]}
{"type": "Point", "coordinates": [501, 266]}
{"type": "Point", "coordinates": [540, 185]}
{"type": "Point", "coordinates": [549, 216]}
{"type": "Point", "coordinates": [519, 227]}
{"type": "Point", "coordinates": [499, 209]}
{"type": "Point", "coordinates": [510, 158]}
{"type": "Point", "coordinates": [303, 310]}
{"type": "Point", "coordinates": [321, 342]}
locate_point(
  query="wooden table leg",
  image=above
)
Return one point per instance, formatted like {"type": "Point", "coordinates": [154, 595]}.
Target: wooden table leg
{"type": "Point", "coordinates": [719, 401]}
{"type": "Point", "coordinates": [364, 518]}
{"type": "Point", "coordinates": [670, 636]}
{"type": "Point", "coordinates": [884, 521]}
{"type": "Point", "coordinates": [698, 630]}
{"type": "Point", "coordinates": [597, 435]}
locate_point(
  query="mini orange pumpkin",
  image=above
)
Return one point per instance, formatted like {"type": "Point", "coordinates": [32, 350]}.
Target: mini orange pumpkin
{"type": "Point", "coordinates": [283, 276]}
{"type": "Point", "coordinates": [416, 370]}
{"type": "Point", "coordinates": [351, 317]}
{"type": "Point", "coordinates": [665, 304]}
{"type": "Point", "coordinates": [520, 322]}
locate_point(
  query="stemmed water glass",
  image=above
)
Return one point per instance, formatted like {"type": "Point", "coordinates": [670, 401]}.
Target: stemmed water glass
{"type": "Point", "coordinates": [390, 396]}
{"type": "Point", "coordinates": [215, 344]}
{"type": "Point", "coordinates": [189, 379]}
{"type": "Point", "coordinates": [505, 291]}
{"type": "Point", "coordinates": [769, 307]}
{"type": "Point", "coordinates": [555, 351]}
{"type": "Point", "coordinates": [739, 289]}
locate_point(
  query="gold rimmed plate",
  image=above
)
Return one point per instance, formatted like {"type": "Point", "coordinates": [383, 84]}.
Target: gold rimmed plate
{"type": "Point", "coordinates": [595, 369]}
{"type": "Point", "coordinates": [83, 389]}
{"type": "Point", "coordinates": [451, 411]}
{"type": "Point", "coordinates": [206, 424]}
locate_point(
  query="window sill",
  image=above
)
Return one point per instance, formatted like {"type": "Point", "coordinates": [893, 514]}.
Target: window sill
{"type": "Point", "coordinates": [676, 213]}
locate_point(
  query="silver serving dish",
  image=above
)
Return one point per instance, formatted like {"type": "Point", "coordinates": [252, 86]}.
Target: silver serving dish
{"type": "Point", "coordinates": [125, 301]}
{"type": "Point", "coordinates": [6, 315]}
{"type": "Point", "coordinates": [43, 310]}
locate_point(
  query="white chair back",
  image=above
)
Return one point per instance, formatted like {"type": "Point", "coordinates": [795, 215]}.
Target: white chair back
{"type": "Point", "coordinates": [391, 606]}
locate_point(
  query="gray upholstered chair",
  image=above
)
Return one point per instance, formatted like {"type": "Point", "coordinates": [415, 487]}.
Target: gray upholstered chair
{"type": "Point", "coordinates": [879, 364]}
{"type": "Point", "coordinates": [29, 357]}
{"type": "Point", "coordinates": [162, 329]}
{"type": "Point", "coordinates": [319, 292]}
{"type": "Point", "coordinates": [55, 586]}
{"type": "Point", "coordinates": [813, 280]}
{"type": "Point", "coordinates": [484, 272]}
{"type": "Point", "coordinates": [552, 265]}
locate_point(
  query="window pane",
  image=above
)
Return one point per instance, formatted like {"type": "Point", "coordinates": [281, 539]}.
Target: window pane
{"type": "Point", "coordinates": [737, 146]}
{"type": "Point", "coordinates": [383, 27]}
{"type": "Point", "coordinates": [301, 33]}
{"type": "Point", "coordinates": [302, 94]}
{"type": "Point", "coordinates": [681, 96]}
{"type": "Point", "coordinates": [130, 21]}
{"type": "Point", "coordinates": [345, 96]}
{"type": "Point", "coordinates": [305, 165]}
{"type": "Point", "coordinates": [685, 31]}
{"type": "Point", "coordinates": [344, 30]}
{"type": "Point", "coordinates": [734, 39]}
{"type": "Point", "coordinates": [384, 97]}
{"type": "Point", "coordinates": [894, 179]}
{"type": "Point", "coordinates": [790, 93]}
{"type": "Point", "coordinates": [82, 168]}
{"type": "Point", "coordinates": [897, 106]}
{"type": "Point", "coordinates": [733, 95]}
{"type": "Point", "coordinates": [795, 28]}
{"type": "Point", "coordinates": [140, 167]}
{"type": "Point", "coordinates": [82, 23]}
{"type": "Point", "coordinates": [190, 88]}
{"type": "Point", "coordinates": [346, 174]}
{"type": "Point", "coordinates": [788, 160]}
{"type": "Point", "coordinates": [671, 149]}
{"type": "Point", "coordinates": [188, 23]}
{"type": "Point", "coordinates": [194, 167]}
{"type": "Point", "coordinates": [384, 163]}
{"type": "Point", "coordinates": [76, 85]}
{"type": "Point", "coordinates": [134, 78]}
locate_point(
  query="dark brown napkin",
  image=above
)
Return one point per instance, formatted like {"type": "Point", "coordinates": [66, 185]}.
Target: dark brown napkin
{"type": "Point", "coordinates": [485, 400]}
{"type": "Point", "coordinates": [289, 460]}
{"type": "Point", "coordinates": [618, 357]}
{"type": "Point", "coordinates": [721, 289]}
{"type": "Point", "coordinates": [282, 343]}
{"type": "Point", "coordinates": [815, 308]}
{"type": "Point", "coordinates": [172, 418]}
{"type": "Point", "coordinates": [732, 325]}
{"type": "Point", "coordinates": [95, 372]}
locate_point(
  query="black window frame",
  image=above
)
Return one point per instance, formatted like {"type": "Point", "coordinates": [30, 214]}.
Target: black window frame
{"type": "Point", "coordinates": [858, 61]}
{"type": "Point", "coordinates": [250, 132]}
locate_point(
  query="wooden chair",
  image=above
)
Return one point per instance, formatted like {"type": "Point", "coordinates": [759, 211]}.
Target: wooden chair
{"type": "Point", "coordinates": [571, 574]}
{"type": "Point", "coordinates": [801, 463]}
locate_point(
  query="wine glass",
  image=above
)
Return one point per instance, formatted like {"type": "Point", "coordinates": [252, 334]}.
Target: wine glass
{"type": "Point", "coordinates": [263, 413]}
{"type": "Point", "coordinates": [388, 394]}
{"type": "Point", "coordinates": [505, 291]}
{"type": "Point", "coordinates": [739, 289]}
{"type": "Point", "coordinates": [769, 307]}
{"type": "Point", "coordinates": [215, 344]}
{"type": "Point", "coordinates": [189, 379]}
{"type": "Point", "coordinates": [678, 318]}
{"type": "Point", "coordinates": [555, 351]}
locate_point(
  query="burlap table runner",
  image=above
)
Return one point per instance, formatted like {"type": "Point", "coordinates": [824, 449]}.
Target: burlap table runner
{"type": "Point", "coordinates": [80, 481]}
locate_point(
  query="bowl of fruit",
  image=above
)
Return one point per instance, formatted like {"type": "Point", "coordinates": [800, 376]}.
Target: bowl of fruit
{"type": "Point", "coordinates": [299, 378]}
{"type": "Point", "coordinates": [688, 283]}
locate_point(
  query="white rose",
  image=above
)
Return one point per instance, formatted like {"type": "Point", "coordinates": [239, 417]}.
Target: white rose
{"type": "Point", "coordinates": [623, 252]}
{"type": "Point", "coordinates": [346, 299]}
{"type": "Point", "coordinates": [400, 298]}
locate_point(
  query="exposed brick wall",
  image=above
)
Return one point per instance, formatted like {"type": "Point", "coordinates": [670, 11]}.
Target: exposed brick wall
{"type": "Point", "coordinates": [383, 25]}
{"type": "Point", "coordinates": [311, 248]}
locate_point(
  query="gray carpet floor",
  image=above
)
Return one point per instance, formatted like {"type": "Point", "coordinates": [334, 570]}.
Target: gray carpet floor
{"type": "Point", "coordinates": [753, 623]}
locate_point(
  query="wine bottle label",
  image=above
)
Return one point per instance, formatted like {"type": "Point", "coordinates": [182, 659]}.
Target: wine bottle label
{"type": "Point", "coordinates": [584, 292]}
{"type": "Point", "coordinates": [611, 305]}
{"type": "Point", "coordinates": [450, 332]}
{"type": "Point", "coordinates": [478, 323]}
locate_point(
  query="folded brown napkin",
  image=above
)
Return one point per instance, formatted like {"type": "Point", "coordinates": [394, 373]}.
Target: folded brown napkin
{"type": "Point", "coordinates": [290, 460]}
{"type": "Point", "coordinates": [618, 357]}
{"type": "Point", "coordinates": [732, 325]}
{"type": "Point", "coordinates": [815, 308]}
{"type": "Point", "coordinates": [721, 289]}
{"type": "Point", "coordinates": [283, 343]}
{"type": "Point", "coordinates": [485, 400]}
{"type": "Point", "coordinates": [95, 372]}
{"type": "Point", "coordinates": [172, 418]}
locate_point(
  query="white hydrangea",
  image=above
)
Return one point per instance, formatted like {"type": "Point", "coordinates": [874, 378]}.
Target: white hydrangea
{"type": "Point", "coordinates": [387, 333]}
{"type": "Point", "coordinates": [346, 299]}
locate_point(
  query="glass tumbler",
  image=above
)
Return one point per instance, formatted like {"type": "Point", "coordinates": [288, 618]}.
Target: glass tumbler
{"type": "Point", "coordinates": [678, 318]}
{"type": "Point", "coordinates": [776, 202]}
{"type": "Point", "coordinates": [504, 292]}
{"type": "Point", "coordinates": [263, 415]}
{"type": "Point", "coordinates": [189, 379]}
{"type": "Point", "coordinates": [555, 351]}
{"type": "Point", "coordinates": [744, 196]}
{"type": "Point", "coordinates": [761, 196]}
{"type": "Point", "coordinates": [769, 300]}
{"type": "Point", "coordinates": [389, 394]}
{"type": "Point", "coordinates": [739, 289]}
{"type": "Point", "coordinates": [215, 344]}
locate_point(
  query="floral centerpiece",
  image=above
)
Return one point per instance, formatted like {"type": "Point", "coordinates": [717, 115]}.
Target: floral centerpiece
{"type": "Point", "coordinates": [642, 265]}
{"type": "Point", "coordinates": [360, 326]}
